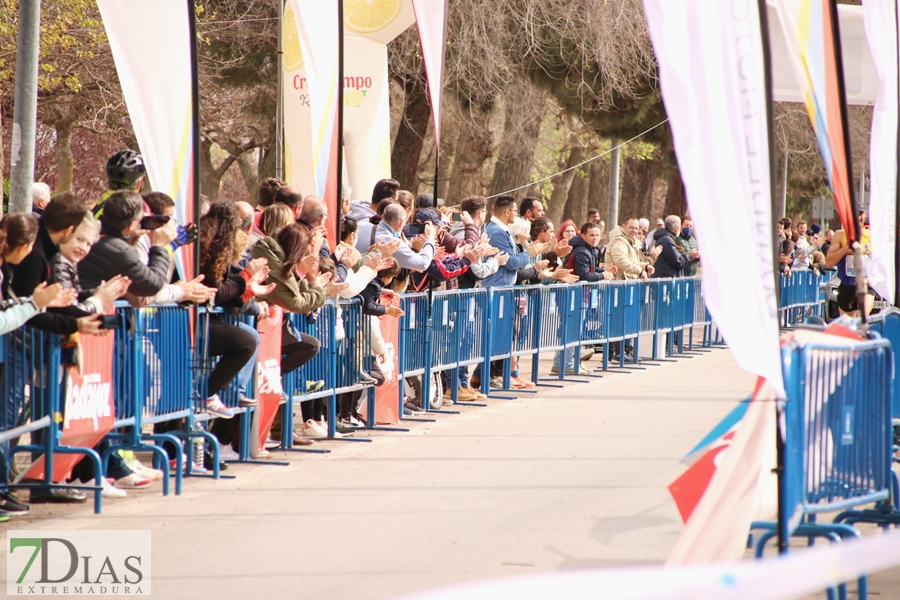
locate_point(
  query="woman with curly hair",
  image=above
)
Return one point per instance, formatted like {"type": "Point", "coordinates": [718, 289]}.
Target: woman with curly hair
{"type": "Point", "coordinates": [236, 345]}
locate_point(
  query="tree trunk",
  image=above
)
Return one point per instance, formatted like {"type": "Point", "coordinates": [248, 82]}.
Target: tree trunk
{"type": "Point", "coordinates": [2, 156]}
{"type": "Point", "coordinates": [562, 184]}
{"type": "Point", "coordinates": [410, 138]}
{"type": "Point", "coordinates": [637, 187]}
{"type": "Point", "coordinates": [65, 163]}
{"type": "Point", "coordinates": [676, 200]}
{"type": "Point", "coordinates": [210, 176]}
{"type": "Point", "coordinates": [520, 136]}
{"type": "Point", "coordinates": [577, 204]}
{"type": "Point", "coordinates": [474, 146]}
{"type": "Point", "coordinates": [266, 162]}
{"type": "Point", "coordinates": [249, 174]}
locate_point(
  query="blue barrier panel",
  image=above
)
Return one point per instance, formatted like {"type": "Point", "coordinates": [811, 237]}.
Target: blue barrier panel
{"type": "Point", "coordinates": [413, 333]}
{"type": "Point", "coordinates": [32, 364]}
{"type": "Point", "coordinates": [551, 323]}
{"type": "Point", "coordinates": [887, 324]}
{"type": "Point", "coordinates": [623, 310]}
{"type": "Point", "coordinates": [594, 314]}
{"type": "Point", "coordinates": [526, 333]}
{"type": "Point", "coordinates": [504, 309]}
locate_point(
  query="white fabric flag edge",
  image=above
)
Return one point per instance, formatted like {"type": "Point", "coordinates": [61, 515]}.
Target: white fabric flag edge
{"type": "Point", "coordinates": [431, 20]}
{"type": "Point", "coordinates": [741, 301]}
{"type": "Point", "coordinates": [881, 32]}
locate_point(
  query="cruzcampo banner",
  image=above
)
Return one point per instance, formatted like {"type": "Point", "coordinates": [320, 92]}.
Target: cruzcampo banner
{"type": "Point", "coordinates": [368, 27]}
{"type": "Point", "coordinates": [268, 372]}
{"type": "Point", "coordinates": [881, 30]}
{"type": "Point", "coordinates": [155, 74]}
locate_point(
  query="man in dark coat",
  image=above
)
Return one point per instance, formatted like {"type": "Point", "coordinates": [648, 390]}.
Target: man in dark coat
{"type": "Point", "coordinates": [671, 261]}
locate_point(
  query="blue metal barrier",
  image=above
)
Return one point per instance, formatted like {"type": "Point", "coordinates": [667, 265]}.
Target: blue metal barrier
{"type": "Point", "coordinates": [458, 332]}
{"type": "Point", "coordinates": [887, 324]}
{"type": "Point", "coordinates": [837, 439]}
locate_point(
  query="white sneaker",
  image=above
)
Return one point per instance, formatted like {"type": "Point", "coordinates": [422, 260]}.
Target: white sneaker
{"type": "Point", "coordinates": [133, 481]}
{"type": "Point", "coordinates": [111, 491]}
{"type": "Point", "coordinates": [214, 406]}
{"type": "Point", "coordinates": [144, 471]}
{"type": "Point", "coordinates": [226, 452]}
{"type": "Point", "coordinates": [313, 430]}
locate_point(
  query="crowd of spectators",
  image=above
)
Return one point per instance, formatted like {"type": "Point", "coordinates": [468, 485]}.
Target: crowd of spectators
{"type": "Point", "coordinates": [62, 267]}
{"type": "Point", "coordinates": [803, 248]}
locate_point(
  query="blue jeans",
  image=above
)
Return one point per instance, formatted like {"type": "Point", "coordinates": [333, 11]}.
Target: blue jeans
{"type": "Point", "coordinates": [446, 376]}
{"type": "Point", "coordinates": [245, 375]}
{"type": "Point", "coordinates": [570, 359]}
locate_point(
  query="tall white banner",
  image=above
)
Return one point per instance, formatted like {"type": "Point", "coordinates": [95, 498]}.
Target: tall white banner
{"type": "Point", "coordinates": [431, 20]}
{"type": "Point", "coordinates": [713, 85]}
{"type": "Point", "coordinates": [881, 30]}
{"type": "Point", "coordinates": [155, 74]}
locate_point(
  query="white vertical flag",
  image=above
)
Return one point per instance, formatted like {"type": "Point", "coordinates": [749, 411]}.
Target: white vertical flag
{"type": "Point", "coordinates": [712, 75]}
{"type": "Point", "coordinates": [431, 20]}
{"type": "Point", "coordinates": [155, 73]}
{"type": "Point", "coordinates": [881, 31]}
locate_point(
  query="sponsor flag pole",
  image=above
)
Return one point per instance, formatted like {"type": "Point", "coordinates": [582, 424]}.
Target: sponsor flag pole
{"type": "Point", "coordinates": [195, 127]}
{"type": "Point", "coordinates": [339, 166]}
{"type": "Point", "coordinates": [897, 167]}
{"type": "Point", "coordinates": [776, 272]}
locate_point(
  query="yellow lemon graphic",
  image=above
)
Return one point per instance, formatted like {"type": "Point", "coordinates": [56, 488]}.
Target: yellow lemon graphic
{"type": "Point", "coordinates": [293, 54]}
{"type": "Point", "coordinates": [369, 16]}
{"type": "Point", "coordinates": [353, 97]}
{"type": "Point", "coordinates": [384, 157]}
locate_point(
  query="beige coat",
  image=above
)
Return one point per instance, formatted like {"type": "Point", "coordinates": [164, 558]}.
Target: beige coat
{"type": "Point", "coordinates": [621, 252]}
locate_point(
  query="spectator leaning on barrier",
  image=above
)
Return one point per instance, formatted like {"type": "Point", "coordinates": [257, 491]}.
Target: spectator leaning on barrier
{"type": "Point", "coordinates": [419, 252]}
{"type": "Point", "coordinates": [113, 254]}
{"type": "Point", "coordinates": [504, 214]}
{"type": "Point", "coordinates": [623, 253]}
{"type": "Point", "coordinates": [671, 262]}
{"type": "Point", "coordinates": [689, 244]}
{"type": "Point", "coordinates": [584, 260]}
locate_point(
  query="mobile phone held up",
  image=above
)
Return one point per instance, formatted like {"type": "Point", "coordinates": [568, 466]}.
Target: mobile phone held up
{"type": "Point", "coordinates": [154, 222]}
{"type": "Point", "coordinates": [457, 216]}
{"type": "Point", "coordinates": [416, 228]}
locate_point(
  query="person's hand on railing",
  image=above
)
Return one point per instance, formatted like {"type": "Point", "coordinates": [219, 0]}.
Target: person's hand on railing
{"type": "Point", "coordinates": [195, 291]}
{"type": "Point", "coordinates": [90, 325]}
{"type": "Point", "coordinates": [263, 307]}
{"type": "Point", "coordinates": [52, 296]}
{"type": "Point", "coordinates": [110, 291]}
{"type": "Point", "coordinates": [560, 274]}
{"type": "Point", "coordinates": [650, 270]}
{"type": "Point", "coordinates": [387, 247]}
{"type": "Point", "coordinates": [502, 258]}
{"type": "Point", "coordinates": [394, 311]}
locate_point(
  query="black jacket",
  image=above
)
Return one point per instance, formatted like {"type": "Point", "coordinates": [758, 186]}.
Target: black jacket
{"type": "Point", "coordinates": [670, 262]}
{"type": "Point", "coordinates": [112, 256]}
{"type": "Point", "coordinates": [584, 260]}
{"type": "Point", "coordinates": [371, 298]}
{"type": "Point", "coordinates": [25, 276]}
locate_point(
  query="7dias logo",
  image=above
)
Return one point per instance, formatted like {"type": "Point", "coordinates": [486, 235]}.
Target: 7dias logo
{"type": "Point", "coordinates": [78, 563]}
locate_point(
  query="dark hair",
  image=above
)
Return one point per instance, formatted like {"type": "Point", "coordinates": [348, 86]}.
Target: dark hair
{"type": "Point", "coordinates": [379, 211]}
{"type": "Point", "coordinates": [473, 204]}
{"type": "Point", "coordinates": [326, 265]}
{"type": "Point", "coordinates": [294, 242]}
{"type": "Point", "coordinates": [503, 203]}
{"type": "Point", "coordinates": [287, 195]}
{"type": "Point", "coordinates": [588, 226]}
{"type": "Point", "coordinates": [268, 187]}
{"type": "Point", "coordinates": [528, 204]}
{"type": "Point", "coordinates": [18, 229]}
{"type": "Point", "coordinates": [629, 218]}
{"type": "Point", "coordinates": [69, 210]}
{"type": "Point", "coordinates": [120, 210]}
{"type": "Point", "coordinates": [349, 226]}
{"type": "Point", "coordinates": [594, 211]}
{"type": "Point", "coordinates": [218, 229]}
{"type": "Point", "coordinates": [540, 225]}
{"type": "Point", "coordinates": [786, 222]}
{"type": "Point", "coordinates": [385, 188]}
{"type": "Point", "coordinates": [157, 201]}
{"type": "Point", "coordinates": [390, 272]}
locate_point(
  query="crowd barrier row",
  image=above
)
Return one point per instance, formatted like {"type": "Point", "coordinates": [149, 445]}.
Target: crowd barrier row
{"type": "Point", "coordinates": [159, 372]}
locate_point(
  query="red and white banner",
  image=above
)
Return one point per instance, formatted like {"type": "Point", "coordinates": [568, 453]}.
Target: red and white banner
{"type": "Point", "coordinates": [431, 20]}
{"type": "Point", "coordinates": [89, 411]}
{"type": "Point", "coordinates": [154, 70]}
{"type": "Point", "coordinates": [386, 395]}
{"type": "Point", "coordinates": [881, 30]}
{"type": "Point", "coordinates": [713, 83]}
{"type": "Point", "coordinates": [268, 371]}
